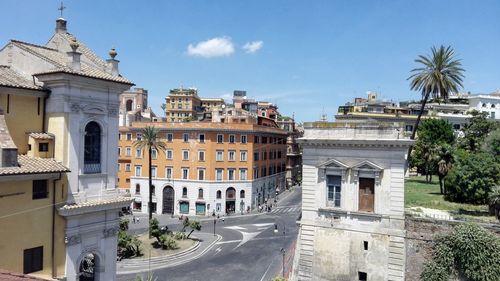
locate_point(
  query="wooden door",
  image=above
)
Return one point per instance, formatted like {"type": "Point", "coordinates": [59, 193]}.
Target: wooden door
{"type": "Point", "coordinates": [366, 195]}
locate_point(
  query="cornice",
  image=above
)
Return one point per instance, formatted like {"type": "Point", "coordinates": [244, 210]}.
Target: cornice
{"type": "Point", "coordinates": [353, 143]}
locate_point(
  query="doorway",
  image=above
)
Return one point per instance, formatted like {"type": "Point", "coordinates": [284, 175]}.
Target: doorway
{"type": "Point", "coordinates": [366, 195]}
{"type": "Point", "coordinates": [230, 200]}
{"type": "Point", "coordinates": [168, 200]}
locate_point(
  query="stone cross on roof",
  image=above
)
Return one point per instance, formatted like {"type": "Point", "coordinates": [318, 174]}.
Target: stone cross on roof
{"type": "Point", "coordinates": [61, 8]}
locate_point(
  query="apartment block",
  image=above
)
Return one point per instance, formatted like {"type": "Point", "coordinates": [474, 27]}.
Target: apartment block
{"type": "Point", "coordinates": [207, 168]}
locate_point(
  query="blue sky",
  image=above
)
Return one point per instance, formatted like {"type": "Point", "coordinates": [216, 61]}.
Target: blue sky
{"type": "Point", "coordinates": [312, 55]}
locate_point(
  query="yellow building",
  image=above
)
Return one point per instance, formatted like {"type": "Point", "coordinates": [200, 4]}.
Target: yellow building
{"type": "Point", "coordinates": [59, 203]}
{"type": "Point", "coordinates": [208, 167]}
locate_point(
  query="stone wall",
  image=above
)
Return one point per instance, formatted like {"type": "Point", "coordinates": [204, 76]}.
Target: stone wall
{"type": "Point", "coordinates": [420, 235]}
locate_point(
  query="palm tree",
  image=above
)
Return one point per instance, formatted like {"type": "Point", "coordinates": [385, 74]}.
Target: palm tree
{"type": "Point", "coordinates": [150, 140]}
{"type": "Point", "coordinates": [439, 75]}
{"type": "Point", "coordinates": [494, 201]}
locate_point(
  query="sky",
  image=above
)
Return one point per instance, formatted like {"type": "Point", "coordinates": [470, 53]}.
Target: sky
{"type": "Point", "coordinates": [308, 57]}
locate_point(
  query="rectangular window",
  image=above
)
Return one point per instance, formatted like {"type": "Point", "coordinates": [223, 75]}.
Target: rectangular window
{"type": "Point", "coordinates": [127, 167]}
{"type": "Point", "coordinates": [33, 260]}
{"type": "Point", "coordinates": [138, 153]}
{"type": "Point", "coordinates": [185, 173]}
{"type": "Point", "coordinates": [129, 136]}
{"type": "Point", "coordinates": [243, 174]}
{"type": "Point", "coordinates": [202, 138]}
{"type": "Point", "coordinates": [40, 189]}
{"type": "Point", "coordinates": [119, 166]}
{"type": "Point", "coordinates": [154, 154]}
{"type": "Point", "coordinates": [185, 137]}
{"type": "Point", "coordinates": [119, 151]}
{"type": "Point", "coordinates": [138, 171]}
{"type": "Point", "coordinates": [255, 173]}
{"type": "Point", "coordinates": [201, 174]}
{"type": "Point", "coordinates": [230, 174]}
{"type": "Point", "coordinates": [185, 155]}
{"type": "Point", "coordinates": [232, 138]}
{"type": "Point", "coordinates": [170, 154]}
{"type": "Point", "coordinates": [264, 155]}
{"type": "Point", "coordinates": [362, 276]}
{"type": "Point", "coordinates": [138, 136]}
{"type": "Point", "coordinates": [219, 155]}
{"type": "Point", "coordinates": [43, 147]}
{"type": "Point", "coordinates": [232, 155]}
{"type": "Point", "coordinates": [218, 174]}
{"type": "Point", "coordinates": [137, 189]}
{"type": "Point", "coordinates": [243, 155]}
{"type": "Point", "coordinates": [168, 172]}
{"type": "Point", "coordinates": [128, 151]}
{"type": "Point", "coordinates": [170, 137]}
{"type": "Point", "coordinates": [201, 155]}
{"type": "Point", "coordinates": [243, 138]}
{"type": "Point", "coordinates": [256, 139]}
{"type": "Point", "coordinates": [256, 156]}
{"type": "Point", "coordinates": [153, 171]}
{"type": "Point", "coordinates": [334, 190]}
{"type": "Point", "coordinates": [220, 138]}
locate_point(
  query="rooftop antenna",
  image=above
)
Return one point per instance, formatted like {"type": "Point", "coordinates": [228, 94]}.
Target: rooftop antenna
{"type": "Point", "coordinates": [61, 8]}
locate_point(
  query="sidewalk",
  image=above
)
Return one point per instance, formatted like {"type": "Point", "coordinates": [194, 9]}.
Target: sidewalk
{"type": "Point", "coordinates": [138, 265]}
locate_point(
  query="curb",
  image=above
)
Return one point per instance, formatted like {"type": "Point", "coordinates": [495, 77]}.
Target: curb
{"type": "Point", "coordinates": [159, 262]}
{"type": "Point", "coordinates": [146, 261]}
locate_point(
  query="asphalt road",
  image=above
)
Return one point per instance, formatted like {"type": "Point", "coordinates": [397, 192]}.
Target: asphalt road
{"type": "Point", "coordinates": [250, 249]}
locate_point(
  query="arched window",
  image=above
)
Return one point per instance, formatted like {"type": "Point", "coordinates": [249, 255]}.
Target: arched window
{"type": "Point", "coordinates": [128, 105]}
{"type": "Point", "coordinates": [242, 194]}
{"type": "Point", "coordinates": [137, 189]}
{"type": "Point", "coordinates": [92, 148]}
{"type": "Point", "coordinates": [200, 193]}
{"type": "Point", "coordinates": [184, 192]}
{"type": "Point", "coordinates": [219, 194]}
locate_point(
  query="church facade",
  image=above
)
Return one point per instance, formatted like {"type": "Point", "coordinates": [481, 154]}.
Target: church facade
{"type": "Point", "coordinates": [58, 192]}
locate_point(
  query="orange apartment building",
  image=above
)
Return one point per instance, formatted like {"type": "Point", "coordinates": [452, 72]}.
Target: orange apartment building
{"type": "Point", "coordinates": [208, 167]}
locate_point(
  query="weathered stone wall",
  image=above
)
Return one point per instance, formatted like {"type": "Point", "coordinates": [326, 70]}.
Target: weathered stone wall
{"type": "Point", "coordinates": [420, 234]}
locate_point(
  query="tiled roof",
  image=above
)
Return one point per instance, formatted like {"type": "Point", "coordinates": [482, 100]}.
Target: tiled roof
{"type": "Point", "coordinates": [33, 165]}
{"type": "Point", "coordinates": [97, 202]}
{"type": "Point", "coordinates": [11, 78]}
{"type": "Point", "coordinates": [12, 276]}
{"type": "Point", "coordinates": [59, 59]}
{"type": "Point", "coordinates": [42, 136]}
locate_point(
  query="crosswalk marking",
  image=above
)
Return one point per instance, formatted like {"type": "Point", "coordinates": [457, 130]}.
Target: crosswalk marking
{"type": "Point", "coordinates": [282, 210]}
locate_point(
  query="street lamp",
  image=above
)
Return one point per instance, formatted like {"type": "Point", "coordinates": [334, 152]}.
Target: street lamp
{"type": "Point", "coordinates": [215, 221]}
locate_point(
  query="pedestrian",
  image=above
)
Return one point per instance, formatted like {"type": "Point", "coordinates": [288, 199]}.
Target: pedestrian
{"type": "Point", "coordinates": [133, 219]}
{"type": "Point", "coordinates": [137, 220]}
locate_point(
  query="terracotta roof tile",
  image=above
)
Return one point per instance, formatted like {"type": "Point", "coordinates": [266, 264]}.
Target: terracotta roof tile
{"type": "Point", "coordinates": [97, 202]}
{"type": "Point", "coordinates": [33, 165]}
{"type": "Point", "coordinates": [11, 78]}
{"type": "Point", "coordinates": [42, 136]}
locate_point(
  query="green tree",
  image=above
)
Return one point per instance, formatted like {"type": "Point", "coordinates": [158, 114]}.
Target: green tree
{"type": "Point", "coordinates": [492, 144]}
{"type": "Point", "coordinates": [476, 130]}
{"type": "Point", "coordinates": [472, 177]}
{"type": "Point", "coordinates": [433, 134]}
{"type": "Point", "coordinates": [150, 140]}
{"type": "Point", "coordinates": [468, 251]}
{"type": "Point", "coordinates": [194, 225]}
{"type": "Point", "coordinates": [154, 229]}
{"type": "Point", "coordinates": [494, 201]}
{"type": "Point", "coordinates": [445, 162]}
{"type": "Point", "coordinates": [438, 75]}
{"type": "Point", "coordinates": [128, 245]}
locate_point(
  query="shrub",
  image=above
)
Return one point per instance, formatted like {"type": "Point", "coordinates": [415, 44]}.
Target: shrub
{"type": "Point", "coordinates": [167, 242]}
{"type": "Point", "coordinates": [468, 251]}
{"type": "Point", "coordinates": [180, 236]}
{"type": "Point", "coordinates": [194, 225]}
{"type": "Point", "coordinates": [154, 228]}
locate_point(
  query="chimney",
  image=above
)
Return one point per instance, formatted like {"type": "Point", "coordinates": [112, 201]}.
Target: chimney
{"type": "Point", "coordinates": [112, 63]}
{"type": "Point", "coordinates": [74, 56]}
{"type": "Point", "coordinates": [8, 150]}
{"type": "Point", "coordinates": [61, 25]}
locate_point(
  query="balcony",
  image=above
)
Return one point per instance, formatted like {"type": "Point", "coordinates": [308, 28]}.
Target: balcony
{"type": "Point", "coordinates": [91, 168]}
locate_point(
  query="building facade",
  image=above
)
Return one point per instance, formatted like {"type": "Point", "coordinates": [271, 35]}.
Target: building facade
{"type": "Point", "coordinates": [293, 154]}
{"type": "Point", "coordinates": [58, 198]}
{"type": "Point", "coordinates": [208, 167]}
{"type": "Point", "coordinates": [134, 107]}
{"type": "Point", "coordinates": [352, 225]}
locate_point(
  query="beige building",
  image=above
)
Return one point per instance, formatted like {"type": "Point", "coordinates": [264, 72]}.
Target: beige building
{"type": "Point", "coordinates": [208, 167]}
{"type": "Point", "coordinates": [134, 107]}
{"type": "Point", "coordinates": [352, 225]}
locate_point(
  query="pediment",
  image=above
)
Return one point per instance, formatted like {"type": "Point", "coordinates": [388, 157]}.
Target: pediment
{"type": "Point", "coordinates": [367, 165]}
{"type": "Point", "coordinates": [95, 109]}
{"type": "Point", "coordinates": [333, 163]}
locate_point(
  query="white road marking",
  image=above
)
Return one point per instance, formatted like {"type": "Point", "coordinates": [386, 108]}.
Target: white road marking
{"type": "Point", "coordinates": [228, 242]}
{"type": "Point", "coordinates": [262, 224]}
{"type": "Point", "coordinates": [235, 227]}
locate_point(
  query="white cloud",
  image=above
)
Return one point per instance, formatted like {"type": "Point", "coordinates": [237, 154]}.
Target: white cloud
{"type": "Point", "coordinates": [253, 47]}
{"type": "Point", "coordinates": [215, 47]}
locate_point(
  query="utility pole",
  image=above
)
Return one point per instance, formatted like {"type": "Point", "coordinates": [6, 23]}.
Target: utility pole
{"type": "Point", "coordinates": [215, 221]}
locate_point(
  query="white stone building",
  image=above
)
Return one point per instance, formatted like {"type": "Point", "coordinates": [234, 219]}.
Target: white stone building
{"type": "Point", "coordinates": [352, 225]}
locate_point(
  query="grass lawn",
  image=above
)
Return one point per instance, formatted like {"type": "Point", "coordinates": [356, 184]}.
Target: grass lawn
{"type": "Point", "coordinates": [419, 193]}
{"type": "Point", "coordinates": [148, 249]}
